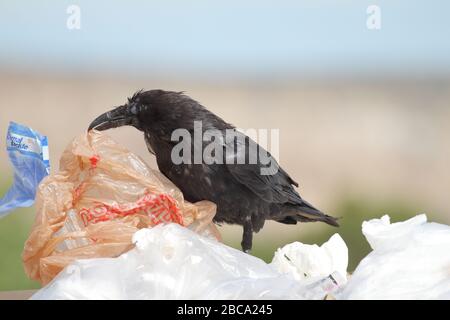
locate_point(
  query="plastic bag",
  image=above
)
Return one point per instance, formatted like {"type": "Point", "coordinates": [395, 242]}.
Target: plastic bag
{"type": "Point", "coordinates": [100, 197]}
{"type": "Point", "coordinates": [28, 153]}
{"type": "Point", "coordinates": [172, 262]}
{"type": "Point", "coordinates": [410, 260]}
{"type": "Point", "coordinates": [309, 263]}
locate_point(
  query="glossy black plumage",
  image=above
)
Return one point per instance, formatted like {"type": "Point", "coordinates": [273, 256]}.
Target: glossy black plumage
{"type": "Point", "coordinates": [243, 196]}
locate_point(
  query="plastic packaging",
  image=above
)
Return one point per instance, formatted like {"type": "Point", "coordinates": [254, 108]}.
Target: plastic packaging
{"type": "Point", "coordinates": [172, 262]}
{"type": "Point", "coordinates": [28, 153]}
{"type": "Point", "coordinates": [100, 197]}
{"type": "Point", "coordinates": [410, 260]}
{"type": "Point", "coordinates": [309, 263]}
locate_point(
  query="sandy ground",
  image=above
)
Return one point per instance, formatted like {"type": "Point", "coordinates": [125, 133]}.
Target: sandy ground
{"type": "Point", "coordinates": [377, 139]}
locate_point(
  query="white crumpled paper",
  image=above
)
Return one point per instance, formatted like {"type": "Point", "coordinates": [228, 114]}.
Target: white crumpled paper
{"type": "Point", "coordinates": [410, 260]}
{"type": "Point", "coordinates": [172, 262]}
{"type": "Point", "coordinates": [308, 263]}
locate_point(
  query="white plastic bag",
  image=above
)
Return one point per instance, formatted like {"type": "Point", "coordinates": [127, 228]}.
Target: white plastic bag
{"type": "Point", "coordinates": [308, 263]}
{"type": "Point", "coordinates": [172, 262]}
{"type": "Point", "coordinates": [410, 260]}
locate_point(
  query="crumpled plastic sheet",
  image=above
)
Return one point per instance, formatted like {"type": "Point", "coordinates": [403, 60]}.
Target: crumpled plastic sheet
{"type": "Point", "coordinates": [309, 263]}
{"type": "Point", "coordinates": [28, 152]}
{"type": "Point", "coordinates": [410, 260]}
{"type": "Point", "coordinates": [172, 262]}
{"type": "Point", "coordinates": [101, 195]}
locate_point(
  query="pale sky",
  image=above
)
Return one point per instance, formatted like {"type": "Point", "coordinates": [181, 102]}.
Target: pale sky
{"type": "Point", "coordinates": [244, 37]}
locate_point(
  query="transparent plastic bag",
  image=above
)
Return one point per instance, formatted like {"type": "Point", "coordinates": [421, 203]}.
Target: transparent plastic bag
{"type": "Point", "coordinates": [171, 262]}
{"type": "Point", "coordinates": [28, 153]}
{"type": "Point", "coordinates": [101, 196]}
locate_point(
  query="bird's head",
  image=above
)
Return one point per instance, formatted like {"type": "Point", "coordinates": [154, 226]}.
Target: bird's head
{"type": "Point", "coordinates": [153, 111]}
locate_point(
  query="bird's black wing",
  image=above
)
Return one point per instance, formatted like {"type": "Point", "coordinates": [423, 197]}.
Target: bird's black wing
{"type": "Point", "coordinates": [276, 188]}
{"type": "Point", "coordinates": [273, 188]}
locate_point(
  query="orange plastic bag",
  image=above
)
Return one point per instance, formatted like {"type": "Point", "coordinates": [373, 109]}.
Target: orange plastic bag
{"type": "Point", "coordinates": [102, 195]}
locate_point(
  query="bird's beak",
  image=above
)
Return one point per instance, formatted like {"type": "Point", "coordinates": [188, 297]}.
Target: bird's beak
{"type": "Point", "coordinates": [120, 116]}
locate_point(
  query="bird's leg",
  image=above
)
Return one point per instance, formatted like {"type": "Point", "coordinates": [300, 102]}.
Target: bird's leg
{"type": "Point", "coordinates": [247, 236]}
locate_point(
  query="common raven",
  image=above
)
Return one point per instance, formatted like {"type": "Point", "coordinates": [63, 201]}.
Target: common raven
{"type": "Point", "coordinates": [243, 193]}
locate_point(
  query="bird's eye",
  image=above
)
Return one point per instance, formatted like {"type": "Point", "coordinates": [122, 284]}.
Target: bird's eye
{"type": "Point", "coordinates": [134, 109]}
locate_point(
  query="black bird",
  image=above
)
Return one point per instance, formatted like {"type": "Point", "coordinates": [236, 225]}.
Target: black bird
{"type": "Point", "coordinates": [243, 194]}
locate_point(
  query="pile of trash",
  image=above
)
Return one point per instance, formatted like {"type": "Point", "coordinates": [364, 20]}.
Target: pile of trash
{"type": "Point", "coordinates": [410, 260]}
{"type": "Point", "coordinates": [172, 262]}
{"type": "Point", "coordinates": [109, 227]}
{"type": "Point", "coordinates": [100, 197]}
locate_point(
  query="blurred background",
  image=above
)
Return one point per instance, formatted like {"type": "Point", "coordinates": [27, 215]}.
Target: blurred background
{"type": "Point", "coordinates": [362, 105]}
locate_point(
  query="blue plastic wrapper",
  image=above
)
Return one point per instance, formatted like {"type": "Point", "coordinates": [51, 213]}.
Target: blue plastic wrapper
{"type": "Point", "coordinates": [28, 153]}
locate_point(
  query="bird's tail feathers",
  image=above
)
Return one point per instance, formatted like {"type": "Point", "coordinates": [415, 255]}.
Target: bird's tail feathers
{"type": "Point", "coordinates": [305, 212]}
